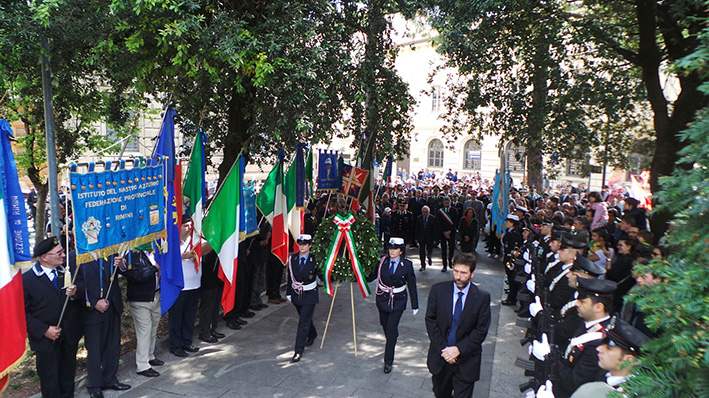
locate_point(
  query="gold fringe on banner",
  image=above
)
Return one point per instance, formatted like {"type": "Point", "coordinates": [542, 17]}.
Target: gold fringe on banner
{"type": "Point", "coordinates": [118, 248]}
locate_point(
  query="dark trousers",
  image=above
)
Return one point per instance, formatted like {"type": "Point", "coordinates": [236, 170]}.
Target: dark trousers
{"type": "Point", "coordinates": [274, 277]}
{"type": "Point", "coordinates": [447, 251]}
{"type": "Point", "coordinates": [209, 304]}
{"type": "Point", "coordinates": [306, 329]}
{"type": "Point", "coordinates": [448, 383]}
{"type": "Point", "coordinates": [242, 297]}
{"type": "Point", "coordinates": [513, 286]}
{"type": "Point", "coordinates": [103, 346]}
{"type": "Point", "coordinates": [180, 323]}
{"type": "Point", "coordinates": [390, 324]}
{"type": "Point", "coordinates": [425, 250]}
{"type": "Point", "coordinates": [56, 368]}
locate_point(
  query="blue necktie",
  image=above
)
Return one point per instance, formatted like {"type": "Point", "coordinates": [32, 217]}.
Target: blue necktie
{"type": "Point", "coordinates": [302, 263]}
{"type": "Point", "coordinates": [55, 279]}
{"type": "Point", "coordinates": [456, 319]}
{"type": "Point", "coordinates": [392, 267]}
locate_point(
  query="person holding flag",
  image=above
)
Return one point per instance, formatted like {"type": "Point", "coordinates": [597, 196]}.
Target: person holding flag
{"type": "Point", "coordinates": [302, 291]}
{"type": "Point", "coordinates": [44, 295]}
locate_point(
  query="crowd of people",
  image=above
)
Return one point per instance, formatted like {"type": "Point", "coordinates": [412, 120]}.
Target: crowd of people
{"type": "Point", "coordinates": [568, 256]}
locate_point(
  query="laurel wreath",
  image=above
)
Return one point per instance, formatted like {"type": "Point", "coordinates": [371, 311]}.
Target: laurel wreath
{"type": "Point", "coordinates": [367, 245]}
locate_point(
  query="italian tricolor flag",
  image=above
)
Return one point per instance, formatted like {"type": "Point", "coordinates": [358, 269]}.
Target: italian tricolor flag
{"type": "Point", "coordinates": [273, 203]}
{"type": "Point", "coordinates": [221, 228]}
{"type": "Point", "coordinates": [13, 326]}
{"type": "Point", "coordinates": [196, 190]}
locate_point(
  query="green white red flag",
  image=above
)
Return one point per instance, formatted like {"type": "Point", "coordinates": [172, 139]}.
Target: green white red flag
{"type": "Point", "coordinates": [195, 189]}
{"type": "Point", "coordinates": [273, 203]}
{"type": "Point", "coordinates": [222, 225]}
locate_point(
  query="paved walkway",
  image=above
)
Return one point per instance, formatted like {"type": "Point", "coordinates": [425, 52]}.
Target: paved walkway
{"type": "Point", "coordinates": [255, 361]}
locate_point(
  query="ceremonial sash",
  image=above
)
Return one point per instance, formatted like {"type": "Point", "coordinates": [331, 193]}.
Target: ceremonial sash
{"type": "Point", "coordinates": [446, 216]}
{"type": "Point", "coordinates": [594, 333]}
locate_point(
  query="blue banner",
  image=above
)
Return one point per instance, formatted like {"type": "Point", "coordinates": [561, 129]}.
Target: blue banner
{"type": "Point", "coordinates": [115, 211]}
{"type": "Point", "coordinates": [386, 177]}
{"type": "Point", "coordinates": [299, 163]}
{"type": "Point", "coordinates": [14, 199]}
{"type": "Point", "coordinates": [250, 225]}
{"type": "Point", "coordinates": [500, 201]}
{"type": "Point", "coordinates": [328, 177]}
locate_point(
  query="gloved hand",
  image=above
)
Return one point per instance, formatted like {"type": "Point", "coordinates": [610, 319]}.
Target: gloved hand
{"type": "Point", "coordinates": [531, 283]}
{"type": "Point", "coordinates": [545, 391]}
{"type": "Point", "coordinates": [415, 311]}
{"type": "Point", "coordinates": [540, 349]}
{"type": "Point", "coordinates": [536, 306]}
{"type": "Point", "coordinates": [289, 298]}
{"type": "Point", "coordinates": [528, 268]}
{"type": "Point", "coordinates": [530, 394]}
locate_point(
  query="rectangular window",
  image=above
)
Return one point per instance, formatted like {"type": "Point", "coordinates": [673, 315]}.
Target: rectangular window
{"type": "Point", "coordinates": [436, 99]}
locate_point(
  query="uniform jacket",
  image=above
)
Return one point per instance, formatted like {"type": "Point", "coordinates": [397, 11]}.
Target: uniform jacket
{"type": "Point", "coordinates": [511, 241]}
{"type": "Point", "coordinates": [307, 275]}
{"type": "Point", "coordinates": [429, 233]}
{"type": "Point", "coordinates": [92, 282]}
{"type": "Point", "coordinates": [142, 278]}
{"type": "Point", "coordinates": [472, 328]}
{"type": "Point", "coordinates": [43, 305]}
{"type": "Point", "coordinates": [402, 225]}
{"type": "Point", "coordinates": [580, 367]}
{"type": "Point", "coordinates": [403, 275]}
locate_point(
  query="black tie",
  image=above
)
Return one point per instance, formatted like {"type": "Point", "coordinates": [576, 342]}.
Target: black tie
{"type": "Point", "coordinates": [456, 319]}
{"type": "Point", "coordinates": [302, 264]}
{"type": "Point", "coordinates": [392, 267]}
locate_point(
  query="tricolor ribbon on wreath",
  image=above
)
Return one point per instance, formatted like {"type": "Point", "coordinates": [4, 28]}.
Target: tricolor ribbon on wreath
{"type": "Point", "coordinates": [344, 233]}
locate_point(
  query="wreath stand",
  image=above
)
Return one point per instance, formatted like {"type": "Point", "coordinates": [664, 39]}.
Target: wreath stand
{"type": "Point", "coordinates": [329, 315]}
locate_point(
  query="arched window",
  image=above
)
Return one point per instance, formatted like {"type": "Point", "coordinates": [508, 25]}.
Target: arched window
{"type": "Point", "coordinates": [472, 155]}
{"type": "Point", "coordinates": [435, 154]}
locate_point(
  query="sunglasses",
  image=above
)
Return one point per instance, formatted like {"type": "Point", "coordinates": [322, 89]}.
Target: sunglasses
{"type": "Point", "coordinates": [59, 253]}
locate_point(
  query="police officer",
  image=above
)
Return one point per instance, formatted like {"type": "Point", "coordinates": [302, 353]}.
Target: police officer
{"type": "Point", "coordinates": [302, 291]}
{"type": "Point", "coordinates": [402, 222]}
{"type": "Point", "coordinates": [394, 276]}
{"type": "Point", "coordinates": [44, 296]}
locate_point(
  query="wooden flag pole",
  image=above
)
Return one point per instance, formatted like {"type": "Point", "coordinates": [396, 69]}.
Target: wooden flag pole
{"type": "Point", "coordinates": [354, 325]}
{"type": "Point", "coordinates": [332, 304]}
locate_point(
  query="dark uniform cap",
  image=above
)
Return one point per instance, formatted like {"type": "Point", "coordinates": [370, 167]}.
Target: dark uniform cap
{"type": "Point", "coordinates": [403, 201]}
{"type": "Point", "coordinates": [587, 266]}
{"type": "Point", "coordinates": [45, 246]}
{"type": "Point", "coordinates": [622, 334]}
{"type": "Point", "coordinates": [577, 241]}
{"type": "Point", "coordinates": [595, 287]}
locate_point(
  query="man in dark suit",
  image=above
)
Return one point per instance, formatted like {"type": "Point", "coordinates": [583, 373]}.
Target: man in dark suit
{"type": "Point", "coordinates": [448, 220]}
{"type": "Point", "coordinates": [44, 295]}
{"type": "Point", "coordinates": [102, 323]}
{"type": "Point", "coordinates": [426, 235]}
{"type": "Point", "coordinates": [395, 275]}
{"type": "Point", "coordinates": [302, 291]}
{"type": "Point", "coordinates": [457, 322]}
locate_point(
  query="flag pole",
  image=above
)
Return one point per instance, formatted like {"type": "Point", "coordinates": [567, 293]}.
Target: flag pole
{"type": "Point", "coordinates": [354, 325]}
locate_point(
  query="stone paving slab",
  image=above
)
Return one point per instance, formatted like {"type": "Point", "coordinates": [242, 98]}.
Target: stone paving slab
{"type": "Point", "coordinates": [255, 361]}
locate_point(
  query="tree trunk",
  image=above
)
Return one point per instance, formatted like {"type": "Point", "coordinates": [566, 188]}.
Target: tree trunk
{"type": "Point", "coordinates": [537, 116]}
{"type": "Point", "coordinates": [237, 139]}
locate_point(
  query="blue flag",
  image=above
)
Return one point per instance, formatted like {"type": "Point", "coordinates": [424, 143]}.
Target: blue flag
{"type": "Point", "coordinates": [386, 178]}
{"type": "Point", "coordinates": [13, 199]}
{"type": "Point", "coordinates": [250, 225]}
{"type": "Point", "coordinates": [169, 256]}
{"type": "Point", "coordinates": [328, 177]}
{"type": "Point", "coordinates": [500, 201]}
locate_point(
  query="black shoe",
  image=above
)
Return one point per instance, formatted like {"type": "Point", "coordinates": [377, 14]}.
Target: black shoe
{"type": "Point", "coordinates": [117, 386]}
{"type": "Point", "coordinates": [422, 269]}
{"type": "Point", "coordinates": [309, 342]}
{"type": "Point", "coordinates": [296, 357]}
{"type": "Point", "coordinates": [429, 262]}
{"type": "Point", "coordinates": [233, 325]}
{"type": "Point", "coordinates": [255, 307]}
{"type": "Point", "coordinates": [178, 352]}
{"type": "Point", "coordinates": [508, 302]}
{"type": "Point", "coordinates": [156, 362]}
{"type": "Point", "coordinates": [218, 335]}
{"type": "Point", "coordinates": [387, 368]}
{"type": "Point", "coordinates": [190, 348]}
{"type": "Point", "coordinates": [240, 321]}
{"type": "Point", "coordinates": [96, 394]}
{"type": "Point", "coordinates": [247, 314]}
{"type": "Point", "coordinates": [262, 305]}
{"type": "Point", "coordinates": [149, 372]}
{"type": "Point", "coordinates": [208, 338]}
{"type": "Point", "coordinates": [444, 269]}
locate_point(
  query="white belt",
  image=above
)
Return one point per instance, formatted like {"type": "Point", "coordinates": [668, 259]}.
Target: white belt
{"type": "Point", "coordinates": [392, 289]}
{"type": "Point", "coordinates": [310, 286]}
